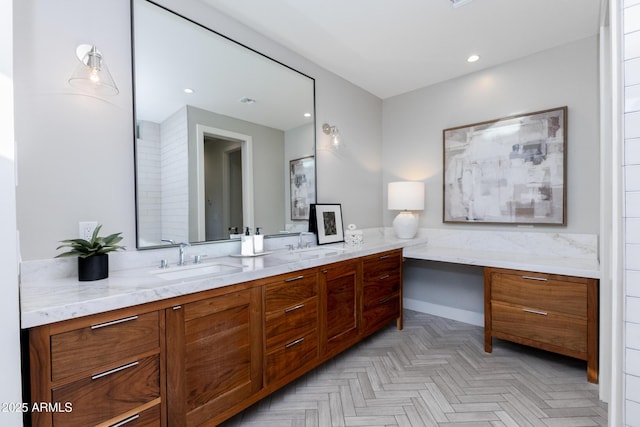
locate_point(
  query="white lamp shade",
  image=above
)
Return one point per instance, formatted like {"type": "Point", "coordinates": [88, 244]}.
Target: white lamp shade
{"type": "Point", "coordinates": [406, 195]}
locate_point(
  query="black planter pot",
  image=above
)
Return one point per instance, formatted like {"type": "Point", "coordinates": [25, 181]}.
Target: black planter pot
{"type": "Point", "coordinates": [93, 268]}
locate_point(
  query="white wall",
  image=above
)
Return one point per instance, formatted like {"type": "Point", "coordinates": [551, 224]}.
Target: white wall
{"type": "Point", "coordinates": [76, 152]}
{"type": "Point", "coordinates": [631, 185]}
{"type": "Point", "coordinates": [174, 180]}
{"type": "Point", "coordinates": [10, 391]}
{"type": "Point", "coordinates": [412, 149]}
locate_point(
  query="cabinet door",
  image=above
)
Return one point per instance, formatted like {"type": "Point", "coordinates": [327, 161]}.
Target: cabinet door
{"type": "Point", "coordinates": [214, 355]}
{"type": "Point", "coordinates": [342, 291]}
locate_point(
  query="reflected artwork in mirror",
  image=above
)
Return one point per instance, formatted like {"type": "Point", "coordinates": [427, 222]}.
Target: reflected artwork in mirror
{"type": "Point", "coordinates": [216, 126]}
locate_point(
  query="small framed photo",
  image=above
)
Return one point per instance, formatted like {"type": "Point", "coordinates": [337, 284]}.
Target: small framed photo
{"type": "Point", "coordinates": [326, 221]}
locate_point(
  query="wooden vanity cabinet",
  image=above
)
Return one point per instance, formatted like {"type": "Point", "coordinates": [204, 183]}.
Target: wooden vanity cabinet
{"type": "Point", "coordinates": [382, 290]}
{"type": "Point", "coordinates": [199, 359]}
{"type": "Point", "coordinates": [291, 310]}
{"type": "Point", "coordinates": [547, 311]}
{"type": "Point", "coordinates": [340, 286]}
{"type": "Point", "coordinates": [214, 355]}
{"type": "Point", "coordinates": [99, 370]}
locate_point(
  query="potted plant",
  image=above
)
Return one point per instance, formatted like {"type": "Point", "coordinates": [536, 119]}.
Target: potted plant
{"type": "Point", "coordinates": [93, 258]}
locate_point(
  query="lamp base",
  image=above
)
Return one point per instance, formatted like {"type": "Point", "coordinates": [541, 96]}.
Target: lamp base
{"type": "Point", "coordinates": [405, 225]}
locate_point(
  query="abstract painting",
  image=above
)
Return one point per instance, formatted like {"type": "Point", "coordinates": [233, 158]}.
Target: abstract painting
{"type": "Point", "coordinates": [508, 171]}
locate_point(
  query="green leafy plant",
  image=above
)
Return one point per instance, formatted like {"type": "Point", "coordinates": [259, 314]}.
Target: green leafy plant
{"type": "Point", "coordinates": [95, 246]}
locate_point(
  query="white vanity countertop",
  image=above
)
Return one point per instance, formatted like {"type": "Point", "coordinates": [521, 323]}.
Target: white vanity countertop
{"type": "Point", "coordinates": [52, 300]}
{"type": "Point", "coordinates": [568, 266]}
{"type": "Point", "coordinates": [49, 300]}
{"type": "Point", "coordinates": [567, 254]}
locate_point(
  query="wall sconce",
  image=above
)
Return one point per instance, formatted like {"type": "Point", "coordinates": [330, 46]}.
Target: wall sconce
{"type": "Point", "coordinates": [406, 196]}
{"type": "Point", "coordinates": [334, 133]}
{"type": "Point", "coordinates": [92, 73]}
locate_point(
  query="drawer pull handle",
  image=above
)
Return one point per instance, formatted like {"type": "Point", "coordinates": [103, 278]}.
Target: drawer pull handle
{"type": "Point", "coordinates": [294, 308]}
{"type": "Point", "coordinates": [126, 420]}
{"type": "Point", "coordinates": [114, 322]}
{"type": "Point", "coordinates": [385, 300]}
{"type": "Point", "coordinates": [384, 256]}
{"type": "Point", "coordinates": [177, 307]}
{"type": "Point", "coordinates": [292, 343]}
{"type": "Point", "coordinates": [542, 279]}
{"type": "Point", "coordinates": [386, 276]}
{"type": "Point", "coordinates": [528, 310]}
{"type": "Point", "coordinates": [293, 279]}
{"type": "Point", "coordinates": [113, 371]}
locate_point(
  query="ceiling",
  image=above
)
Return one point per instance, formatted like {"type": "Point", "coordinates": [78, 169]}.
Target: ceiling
{"type": "Point", "coordinates": [389, 47]}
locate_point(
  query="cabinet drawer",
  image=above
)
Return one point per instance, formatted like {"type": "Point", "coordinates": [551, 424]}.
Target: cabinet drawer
{"type": "Point", "coordinates": [378, 293]}
{"type": "Point", "coordinates": [383, 266]}
{"type": "Point", "coordinates": [126, 387]}
{"type": "Point", "coordinates": [146, 418]}
{"type": "Point", "coordinates": [291, 356]}
{"type": "Point", "coordinates": [540, 293]}
{"type": "Point", "coordinates": [382, 312]}
{"type": "Point", "coordinates": [89, 348]}
{"type": "Point", "coordinates": [286, 326]}
{"type": "Point", "coordinates": [290, 291]}
{"type": "Point", "coordinates": [561, 331]}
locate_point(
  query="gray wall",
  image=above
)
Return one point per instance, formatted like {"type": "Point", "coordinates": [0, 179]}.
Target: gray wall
{"type": "Point", "coordinates": [76, 152]}
{"type": "Point", "coordinates": [268, 164]}
{"type": "Point", "coordinates": [412, 147]}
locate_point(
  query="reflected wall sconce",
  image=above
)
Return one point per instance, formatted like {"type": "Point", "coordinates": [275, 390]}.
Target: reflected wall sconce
{"type": "Point", "coordinates": [334, 133]}
{"type": "Point", "coordinates": [92, 74]}
{"type": "Point", "coordinates": [406, 196]}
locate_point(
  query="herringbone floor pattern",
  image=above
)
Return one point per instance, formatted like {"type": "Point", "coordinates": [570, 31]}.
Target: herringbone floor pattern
{"type": "Point", "coordinates": [435, 373]}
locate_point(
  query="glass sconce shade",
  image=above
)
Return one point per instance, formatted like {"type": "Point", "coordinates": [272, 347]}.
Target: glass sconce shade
{"type": "Point", "coordinates": [92, 74]}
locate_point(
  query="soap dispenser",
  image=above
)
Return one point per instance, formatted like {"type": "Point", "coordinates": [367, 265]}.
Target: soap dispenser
{"type": "Point", "coordinates": [258, 242]}
{"type": "Point", "coordinates": [246, 248]}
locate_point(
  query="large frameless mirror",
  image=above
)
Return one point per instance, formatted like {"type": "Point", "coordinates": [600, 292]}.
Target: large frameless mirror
{"type": "Point", "coordinates": [225, 136]}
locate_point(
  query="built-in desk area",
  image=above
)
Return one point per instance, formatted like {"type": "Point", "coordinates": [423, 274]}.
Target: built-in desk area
{"type": "Point", "coordinates": [540, 289]}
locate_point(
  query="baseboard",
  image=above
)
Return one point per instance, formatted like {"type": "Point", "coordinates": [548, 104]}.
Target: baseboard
{"type": "Point", "coordinates": [458, 314]}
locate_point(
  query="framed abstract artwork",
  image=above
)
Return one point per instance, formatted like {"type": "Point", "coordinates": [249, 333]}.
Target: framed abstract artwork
{"type": "Point", "coordinates": [302, 187]}
{"type": "Point", "coordinates": [507, 171]}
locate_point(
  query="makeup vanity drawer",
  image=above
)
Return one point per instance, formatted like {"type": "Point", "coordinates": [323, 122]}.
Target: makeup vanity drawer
{"type": "Point", "coordinates": [547, 311]}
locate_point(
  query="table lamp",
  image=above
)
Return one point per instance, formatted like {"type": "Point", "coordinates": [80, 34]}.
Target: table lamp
{"type": "Point", "coordinates": [406, 196]}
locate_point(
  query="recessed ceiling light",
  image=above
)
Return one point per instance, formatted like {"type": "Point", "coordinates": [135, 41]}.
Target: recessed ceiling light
{"type": "Point", "coordinates": [307, 114]}
{"type": "Point", "coordinates": [473, 58]}
{"type": "Point", "coordinates": [246, 100]}
{"type": "Point", "coordinates": [188, 90]}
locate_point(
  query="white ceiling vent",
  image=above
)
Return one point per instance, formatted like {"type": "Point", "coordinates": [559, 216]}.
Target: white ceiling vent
{"type": "Point", "coordinates": [458, 3]}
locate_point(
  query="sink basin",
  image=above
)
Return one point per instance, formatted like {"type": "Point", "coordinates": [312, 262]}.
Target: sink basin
{"type": "Point", "coordinates": [195, 270]}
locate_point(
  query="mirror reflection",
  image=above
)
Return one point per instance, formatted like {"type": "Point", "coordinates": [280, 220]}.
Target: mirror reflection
{"type": "Point", "coordinates": [224, 135]}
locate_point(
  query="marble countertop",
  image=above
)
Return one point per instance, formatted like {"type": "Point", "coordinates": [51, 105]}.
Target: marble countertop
{"type": "Point", "coordinates": [568, 266]}
{"type": "Point", "coordinates": [46, 301]}
{"type": "Point", "coordinates": [48, 298]}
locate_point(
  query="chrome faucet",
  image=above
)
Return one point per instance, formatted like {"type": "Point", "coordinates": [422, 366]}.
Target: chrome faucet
{"type": "Point", "coordinates": [300, 239]}
{"type": "Point", "coordinates": [182, 246]}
